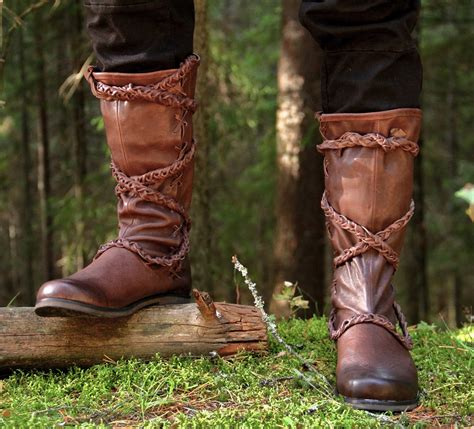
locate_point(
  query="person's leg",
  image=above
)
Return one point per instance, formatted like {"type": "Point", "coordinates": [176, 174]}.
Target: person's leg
{"type": "Point", "coordinates": [371, 83]}
{"type": "Point", "coordinates": [370, 62]}
{"type": "Point", "coordinates": [146, 89]}
{"type": "Point", "coordinates": [140, 36]}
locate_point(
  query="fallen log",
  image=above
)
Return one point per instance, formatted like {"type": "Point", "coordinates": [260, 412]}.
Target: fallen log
{"type": "Point", "coordinates": [203, 328]}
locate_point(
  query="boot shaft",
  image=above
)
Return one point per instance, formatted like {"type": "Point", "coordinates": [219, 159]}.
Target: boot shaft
{"type": "Point", "coordinates": [148, 123]}
{"type": "Point", "coordinates": [370, 185]}
{"type": "Point", "coordinates": [369, 182]}
{"type": "Point", "coordinates": [142, 135]}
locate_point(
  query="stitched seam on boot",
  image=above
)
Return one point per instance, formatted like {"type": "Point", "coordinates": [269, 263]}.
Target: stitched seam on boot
{"type": "Point", "coordinates": [369, 298]}
{"type": "Point", "coordinates": [374, 190]}
{"type": "Point", "coordinates": [125, 162]}
{"type": "Point", "coordinates": [122, 146]}
{"type": "Point", "coordinates": [123, 234]}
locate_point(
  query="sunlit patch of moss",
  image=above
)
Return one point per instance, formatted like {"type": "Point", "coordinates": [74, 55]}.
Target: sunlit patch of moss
{"type": "Point", "coordinates": [466, 334]}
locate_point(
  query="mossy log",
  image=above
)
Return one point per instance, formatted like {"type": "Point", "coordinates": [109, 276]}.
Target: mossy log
{"type": "Point", "coordinates": [29, 341]}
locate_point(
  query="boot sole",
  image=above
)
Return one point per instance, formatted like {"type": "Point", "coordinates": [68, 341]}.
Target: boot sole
{"type": "Point", "coordinates": [379, 405]}
{"type": "Point", "coordinates": [57, 307]}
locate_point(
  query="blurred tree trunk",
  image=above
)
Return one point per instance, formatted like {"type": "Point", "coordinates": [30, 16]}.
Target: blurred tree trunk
{"type": "Point", "coordinates": [452, 140]}
{"type": "Point", "coordinates": [452, 112]}
{"type": "Point", "coordinates": [13, 250]}
{"type": "Point", "coordinates": [27, 202]}
{"type": "Point", "coordinates": [80, 140]}
{"type": "Point", "coordinates": [300, 233]}
{"type": "Point", "coordinates": [20, 12]}
{"type": "Point", "coordinates": [201, 252]}
{"type": "Point", "coordinates": [44, 188]}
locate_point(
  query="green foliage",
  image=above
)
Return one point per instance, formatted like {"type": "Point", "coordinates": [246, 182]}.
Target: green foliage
{"type": "Point", "coordinates": [288, 294]}
{"type": "Point", "coordinates": [467, 194]}
{"type": "Point", "coordinates": [245, 391]}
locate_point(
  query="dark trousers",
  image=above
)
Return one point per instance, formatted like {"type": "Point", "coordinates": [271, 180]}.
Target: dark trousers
{"type": "Point", "coordinates": [370, 63]}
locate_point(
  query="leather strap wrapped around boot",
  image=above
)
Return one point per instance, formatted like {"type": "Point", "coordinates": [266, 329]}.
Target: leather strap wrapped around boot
{"type": "Point", "coordinates": [366, 239]}
{"type": "Point", "coordinates": [148, 123]}
{"type": "Point", "coordinates": [148, 186]}
{"type": "Point", "coordinates": [367, 203]}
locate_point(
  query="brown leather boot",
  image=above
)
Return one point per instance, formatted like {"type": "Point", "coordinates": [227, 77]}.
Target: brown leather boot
{"type": "Point", "coordinates": [369, 179]}
{"type": "Point", "coordinates": [149, 132]}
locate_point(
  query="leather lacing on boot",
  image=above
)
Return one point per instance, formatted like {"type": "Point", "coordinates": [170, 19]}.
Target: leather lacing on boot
{"type": "Point", "coordinates": [141, 186]}
{"type": "Point", "coordinates": [366, 239]}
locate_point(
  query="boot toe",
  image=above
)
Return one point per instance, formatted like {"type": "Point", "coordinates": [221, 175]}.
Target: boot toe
{"type": "Point", "coordinates": [374, 367]}
{"type": "Point", "coordinates": [115, 285]}
{"type": "Point", "coordinates": [358, 383]}
{"type": "Point", "coordinates": [66, 290]}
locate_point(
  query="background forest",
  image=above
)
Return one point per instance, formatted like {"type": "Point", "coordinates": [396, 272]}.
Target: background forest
{"type": "Point", "coordinates": [259, 177]}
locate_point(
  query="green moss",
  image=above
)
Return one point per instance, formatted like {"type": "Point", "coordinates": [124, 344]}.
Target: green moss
{"type": "Point", "coordinates": [245, 391]}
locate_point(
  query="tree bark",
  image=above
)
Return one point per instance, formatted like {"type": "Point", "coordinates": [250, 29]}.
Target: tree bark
{"type": "Point", "coordinates": [6, 35]}
{"type": "Point", "coordinates": [29, 341]}
{"type": "Point", "coordinates": [44, 188]}
{"type": "Point", "coordinates": [300, 232]}
{"type": "Point", "coordinates": [13, 251]}
{"type": "Point", "coordinates": [80, 142]}
{"type": "Point", "coordinates": [452, 142]}
{"type": "Point", "coordinates": [27, 203]}
{"type": "Point", "coordinates": [201, 234]}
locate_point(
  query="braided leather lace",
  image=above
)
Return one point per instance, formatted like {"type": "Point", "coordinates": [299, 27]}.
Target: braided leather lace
{"type": "Point", "coordinates": [376, 319]}
{"type": "Point", "coordinates": [366, 239]}
{"type": "Point", "coordinates": [155, 93]}
{"type": "Point", "coordinates": [141, 186]}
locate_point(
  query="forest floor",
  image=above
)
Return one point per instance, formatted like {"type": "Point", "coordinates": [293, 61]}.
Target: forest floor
{"type": "Point", "coordinates": [272, 391]}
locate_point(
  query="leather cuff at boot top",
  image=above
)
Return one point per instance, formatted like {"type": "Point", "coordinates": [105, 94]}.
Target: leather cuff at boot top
{"type": "Point", "coordinates": [140, 36]}
{"type": "Point", "coordinates": [370, 60]}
